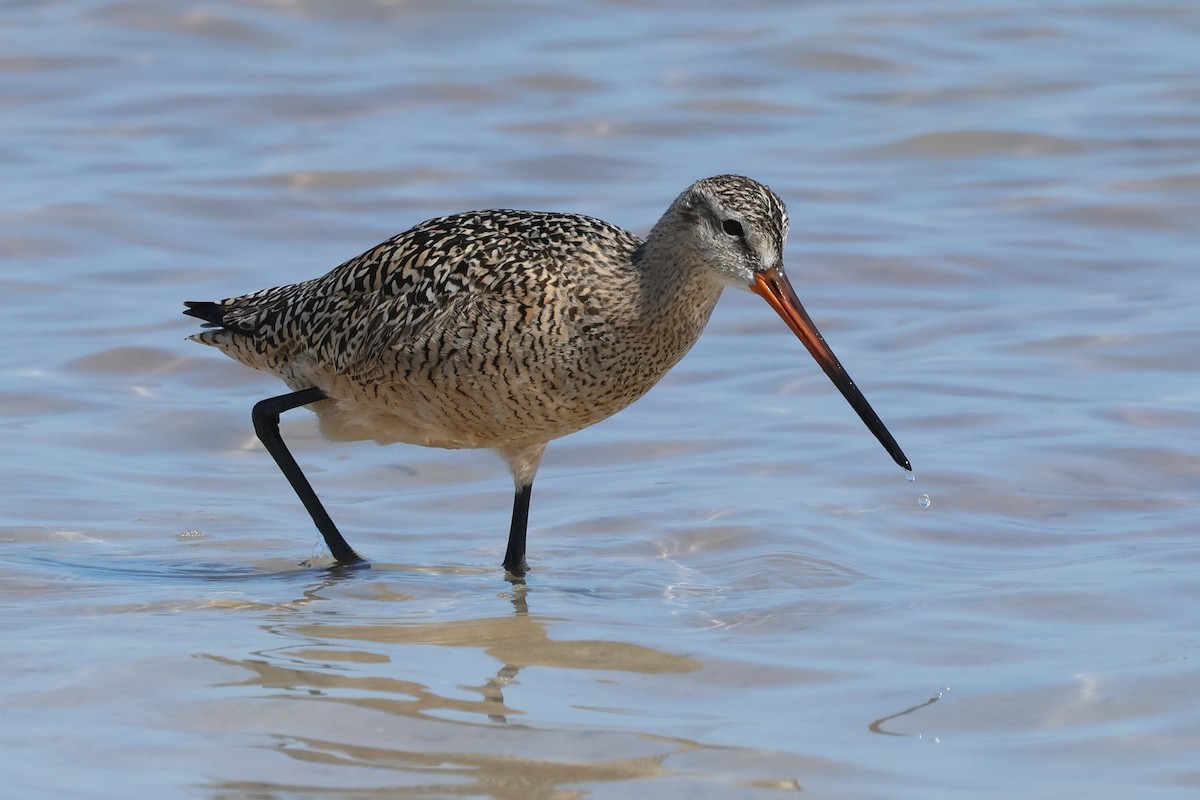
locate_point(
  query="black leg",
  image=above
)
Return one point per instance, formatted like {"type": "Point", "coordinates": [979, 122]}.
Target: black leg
{"type": "Point", "coordinates": [266, 425]}
{"type": "Point", "coordinates": [514, 559]}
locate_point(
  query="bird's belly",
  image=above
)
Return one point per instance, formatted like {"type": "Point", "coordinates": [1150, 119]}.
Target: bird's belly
{"type": "Point", "coordinates": [464, 413]}
{"type": "Point", "coordinates": [526, 385]}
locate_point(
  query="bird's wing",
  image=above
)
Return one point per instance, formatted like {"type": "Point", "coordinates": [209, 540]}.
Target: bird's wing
{"type": "Point", "coordinates": [444, 293]}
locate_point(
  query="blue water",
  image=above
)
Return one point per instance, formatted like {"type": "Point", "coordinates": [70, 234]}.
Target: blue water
{"type": "Point", "coordinates": [735, 592]}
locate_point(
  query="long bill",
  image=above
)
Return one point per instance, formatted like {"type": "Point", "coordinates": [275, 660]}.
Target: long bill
{"type": "Point", "coordinates": [773, 286]}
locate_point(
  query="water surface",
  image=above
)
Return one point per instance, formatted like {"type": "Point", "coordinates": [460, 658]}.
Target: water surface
{"type": "Point", "coordinates": [735, 593]}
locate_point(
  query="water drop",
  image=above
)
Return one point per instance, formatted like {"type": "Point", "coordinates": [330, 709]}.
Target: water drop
{"type": "Point", "coordinates": [909, 475]}
{"type": "Point", "coordinates": [923, 501]}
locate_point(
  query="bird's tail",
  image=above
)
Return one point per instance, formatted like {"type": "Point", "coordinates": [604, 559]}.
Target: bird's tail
{"type": "Point", "coordinates": [227, 328]}
{"type": "Point", "coordinates": [213, 314]}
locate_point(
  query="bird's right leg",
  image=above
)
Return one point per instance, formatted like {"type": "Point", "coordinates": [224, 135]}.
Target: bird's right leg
{"type": "Point", "coordinates": [514, 556]}
{"type": "Point", "coordinates": [523, 462]}
{"type": "Point", "coordinates": [266, 425]}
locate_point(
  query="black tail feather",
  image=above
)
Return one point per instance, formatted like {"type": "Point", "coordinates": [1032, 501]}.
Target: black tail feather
{"type": "Point", "coordinates": [213, 314]}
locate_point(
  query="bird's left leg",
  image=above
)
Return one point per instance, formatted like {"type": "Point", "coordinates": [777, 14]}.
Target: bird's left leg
{"type": "Point", "coordinates": [266, 425]}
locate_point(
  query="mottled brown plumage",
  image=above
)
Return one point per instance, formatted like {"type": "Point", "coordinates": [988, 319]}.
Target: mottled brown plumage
{"type": "Point", "coordinates": [506, 329]}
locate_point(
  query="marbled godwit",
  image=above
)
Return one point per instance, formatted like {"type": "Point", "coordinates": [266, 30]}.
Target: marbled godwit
{"type": "Point", "coordinates": [507, 329]}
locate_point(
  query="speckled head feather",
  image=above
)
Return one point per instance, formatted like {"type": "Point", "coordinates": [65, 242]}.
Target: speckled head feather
{"type": "Point", "coordinates": [737, 226]}
{"type": "Point", "coordinates": [749, 201]}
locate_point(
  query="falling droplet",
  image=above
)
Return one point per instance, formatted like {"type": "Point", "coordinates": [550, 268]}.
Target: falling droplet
{"type": "Point", "coordinates": [909, 475]}
{"type": "Point", "coordinates": [923, 501]}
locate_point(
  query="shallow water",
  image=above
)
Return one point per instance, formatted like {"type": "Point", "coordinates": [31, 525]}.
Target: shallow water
{"type": "Point", "coordinates": [735, 592]}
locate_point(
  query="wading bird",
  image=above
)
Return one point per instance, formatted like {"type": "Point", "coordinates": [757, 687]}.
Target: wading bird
{"type": "Point", "coordinates": [507, 329]}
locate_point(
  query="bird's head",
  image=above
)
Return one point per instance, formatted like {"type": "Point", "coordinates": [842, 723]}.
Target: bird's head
{"type": "Point", "coordinates": [737, 228]}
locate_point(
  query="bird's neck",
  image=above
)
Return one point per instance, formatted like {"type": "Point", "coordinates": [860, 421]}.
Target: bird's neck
{"type": "Point", "coordinates": [677, 293]}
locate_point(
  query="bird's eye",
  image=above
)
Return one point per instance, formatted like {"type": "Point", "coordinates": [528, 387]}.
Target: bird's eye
{"type": "Point", "coordinates": [733, 228]}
